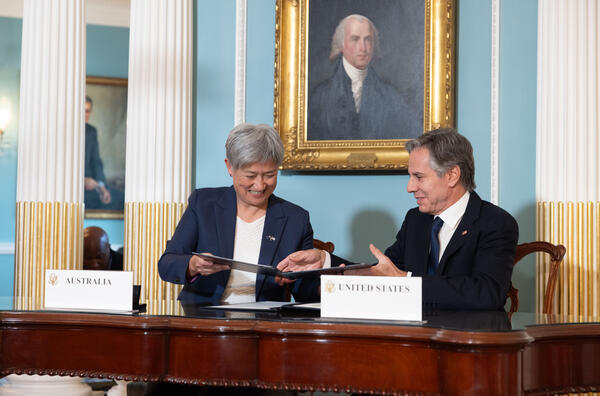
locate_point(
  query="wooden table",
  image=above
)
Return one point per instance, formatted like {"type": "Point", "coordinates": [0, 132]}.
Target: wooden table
{"type": "Point", "coordinates": [452, 354]}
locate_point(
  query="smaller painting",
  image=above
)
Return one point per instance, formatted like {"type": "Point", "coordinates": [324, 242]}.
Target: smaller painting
{"type": "Point", "coordinates": [105, 137]}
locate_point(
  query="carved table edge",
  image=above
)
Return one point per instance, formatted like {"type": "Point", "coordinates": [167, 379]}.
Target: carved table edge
{"type": "Point", "coordinates": [80, 373]}
{"type": "Point", "coordinates": [338, 389]}
{"type": "Point", "coordinates": [209, 382]}
{"type": "Point", "coordinates": [291, 386]}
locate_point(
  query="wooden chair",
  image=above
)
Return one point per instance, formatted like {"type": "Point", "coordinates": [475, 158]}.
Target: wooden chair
{"type": "Point", "coordinates": [327, 246]}
{"type": "Point", "coordinates": [556, 252]}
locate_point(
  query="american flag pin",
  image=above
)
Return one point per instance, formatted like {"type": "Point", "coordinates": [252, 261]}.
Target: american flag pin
{"type": "Point", "coordinates": [271, 237]}
{"type": "Point", "coordinates": [464, 232]}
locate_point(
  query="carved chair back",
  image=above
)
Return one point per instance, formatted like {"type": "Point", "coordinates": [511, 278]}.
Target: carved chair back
{"type": "Point", "coordinates": [556, 252]}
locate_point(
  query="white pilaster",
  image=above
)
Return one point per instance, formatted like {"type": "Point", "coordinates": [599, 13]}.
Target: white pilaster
{"type": "Point", "coordinates": [567, 161]}
{"type": "Point", "coordinates": [51, 145]}
{"type": "Point", "coordinates": [51, 121]}
{"type": "Point", "coordinates": [159, 139]}
{"type": "Point", "coordinates": [159, 121]}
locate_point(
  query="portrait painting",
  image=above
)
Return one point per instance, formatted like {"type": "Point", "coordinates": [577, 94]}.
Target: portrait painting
{"type": "Point", "coordinates": [105, 137]}
{"type": "Point", "coordinates": [365, 69]}
{"type": "Point", "coordinates": [356, 80]}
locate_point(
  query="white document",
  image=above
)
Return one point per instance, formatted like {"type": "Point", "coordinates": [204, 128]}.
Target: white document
{"type": "Point", "coordinates": [88, 290]}
{"type": "Point", "coordinates": [255, 306]}
{"type": "Point", "coordinates": [371, 297]}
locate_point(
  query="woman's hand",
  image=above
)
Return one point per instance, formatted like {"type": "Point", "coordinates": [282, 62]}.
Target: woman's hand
{"type": "Point", "coordinates": [201, 266]}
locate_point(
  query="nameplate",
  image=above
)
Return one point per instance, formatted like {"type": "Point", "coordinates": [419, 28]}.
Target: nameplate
{"type": "Point", "coordinates": [371, 297]}
{"type": "Point", "coordinates": [96, 290]}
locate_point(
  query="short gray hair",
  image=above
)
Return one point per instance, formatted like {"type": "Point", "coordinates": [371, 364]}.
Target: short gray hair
{"type": "Point", "coordinates": [337, 41]}
{"type": "Point", "coordinates": [448, 148]}
{"type": "Point", "coordinates": [251, 143]}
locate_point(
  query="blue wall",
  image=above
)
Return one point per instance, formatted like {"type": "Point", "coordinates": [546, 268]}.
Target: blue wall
{"type": "Point", "coordinates": [518, 84]}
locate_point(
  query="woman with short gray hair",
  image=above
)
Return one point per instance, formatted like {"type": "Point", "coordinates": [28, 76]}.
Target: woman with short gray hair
{"type": "Point", "coordinates": [245, 222]}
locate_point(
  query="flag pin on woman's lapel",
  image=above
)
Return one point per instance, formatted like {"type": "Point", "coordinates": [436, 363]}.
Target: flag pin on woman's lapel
{"type": "Point", "coordinates": [464, 232]}
{"type": "Point", "coordinates": [271, 237]}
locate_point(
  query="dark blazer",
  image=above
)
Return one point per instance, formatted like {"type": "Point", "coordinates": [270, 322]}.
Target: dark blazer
{"type": "Point", "coordinates": [93, 162]}
{"type": "Point", "coordinates": [384, 112]}
{"type": "Point", "coordinates": [475, 269]}
{"type": "Point", "coordinates": [208, 225]}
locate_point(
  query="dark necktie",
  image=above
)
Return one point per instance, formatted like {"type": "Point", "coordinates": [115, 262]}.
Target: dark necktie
{"type": "Point", "coordinates": [434, 251]}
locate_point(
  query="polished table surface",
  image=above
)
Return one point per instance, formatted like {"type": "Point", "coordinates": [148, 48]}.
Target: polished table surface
{"type": "Point", "coordinates": [450, 353]}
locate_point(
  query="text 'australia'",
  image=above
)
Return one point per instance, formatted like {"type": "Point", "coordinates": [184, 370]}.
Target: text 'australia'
{"type": "Point", "coordinates": [88, 281]}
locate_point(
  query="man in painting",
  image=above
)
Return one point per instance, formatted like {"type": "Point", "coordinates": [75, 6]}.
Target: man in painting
{"type": "Point", "coordinates": [96, 194]}
{"type": "Point", "coordinates": [355, 103]}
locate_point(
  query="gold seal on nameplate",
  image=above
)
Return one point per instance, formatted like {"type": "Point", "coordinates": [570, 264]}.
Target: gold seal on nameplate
{"type": "Point", "coordinates": [53, 279]}
{"type": "Point", "coordinates": [329, 287]}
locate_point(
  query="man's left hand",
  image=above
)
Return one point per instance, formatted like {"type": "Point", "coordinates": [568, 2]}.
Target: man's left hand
{"type": "Point", "coordinates": [384, 266]}
{"type": "Point", "coordinates": [302, 260]}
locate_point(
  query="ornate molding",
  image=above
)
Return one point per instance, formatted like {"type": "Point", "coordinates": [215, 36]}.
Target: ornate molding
{"type": "Point", "coordinates": [241, 16]}
{"type": "Point", "coordinates": [495, 101]}
{"type": "Point", "coordinates": [80, 373]}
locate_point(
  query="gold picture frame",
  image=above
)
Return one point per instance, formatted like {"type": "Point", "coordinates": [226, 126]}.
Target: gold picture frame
{"type": "Point", "coordinates": [108, 119]}
{"type": "Point", "coordinates": [291, 92]}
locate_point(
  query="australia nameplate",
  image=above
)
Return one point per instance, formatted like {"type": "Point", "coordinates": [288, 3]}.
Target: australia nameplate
{"type": "Point", "coordinates": [88, 290]}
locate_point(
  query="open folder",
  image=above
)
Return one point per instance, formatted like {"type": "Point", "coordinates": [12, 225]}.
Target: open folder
{"type": "Point", "coordinates": [268, 270]}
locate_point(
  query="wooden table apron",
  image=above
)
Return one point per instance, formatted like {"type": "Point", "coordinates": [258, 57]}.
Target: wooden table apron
{"type": "Point", "coordinates": [300, 355]}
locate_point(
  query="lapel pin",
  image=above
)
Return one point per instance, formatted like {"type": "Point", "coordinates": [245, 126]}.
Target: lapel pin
{"type": "Point", "coordinates": [464, 232]}
{"type": "Point", "coordinates": [271, 237]}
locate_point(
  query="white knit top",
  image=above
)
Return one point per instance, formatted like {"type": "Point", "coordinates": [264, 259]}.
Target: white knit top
{"type": "Point", "coordinates": [241, 287]}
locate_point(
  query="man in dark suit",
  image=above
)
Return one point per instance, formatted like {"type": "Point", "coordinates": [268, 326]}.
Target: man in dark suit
{"type": "Point", "coordinates": [355, 103]}
{"type": "Point", "coordinates": [461, 246]}
{"type": "Point", "coordinates": [96, 194]}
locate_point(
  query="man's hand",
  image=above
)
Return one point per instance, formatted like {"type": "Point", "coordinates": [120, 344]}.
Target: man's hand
{"type": "Point", "coordinates": [201, 266]}
{"type": "Point", "coordinates": [302, 260]}
{"type": "Point", "coordinates": [104, 195]}
{"type": "Point", "coordinates": [90, 183]}
{"type": "Point", "coordinates": [384, 266]}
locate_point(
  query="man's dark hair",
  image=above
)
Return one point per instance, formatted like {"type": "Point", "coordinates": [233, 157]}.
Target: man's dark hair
{"type": "Point", "coordinates": [448, 148]}
{"type": "Point", "coordinates": [89, 100]}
